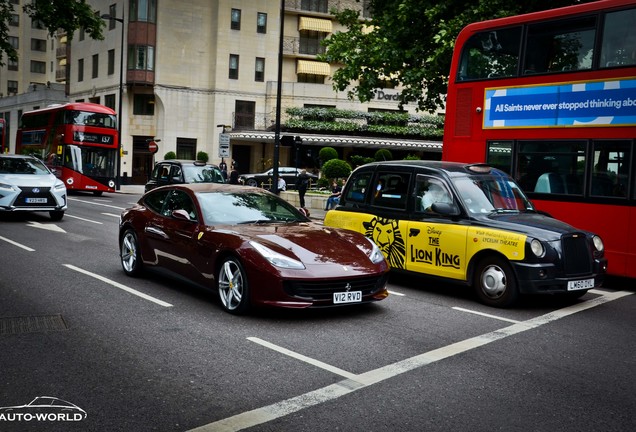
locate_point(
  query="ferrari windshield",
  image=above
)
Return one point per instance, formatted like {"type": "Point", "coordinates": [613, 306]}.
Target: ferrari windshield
{"type": "Point", "coordinates": [220, 208]}
{"type": "Point", "coordinates": [489, 193]}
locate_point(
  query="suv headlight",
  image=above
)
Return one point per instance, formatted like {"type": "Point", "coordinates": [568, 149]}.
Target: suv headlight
{"type": "Point", "coordinates": [537, 248]}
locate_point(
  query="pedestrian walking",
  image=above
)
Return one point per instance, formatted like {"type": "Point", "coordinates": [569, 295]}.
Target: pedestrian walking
{"type": "Point", "coordinates": [302, 183]}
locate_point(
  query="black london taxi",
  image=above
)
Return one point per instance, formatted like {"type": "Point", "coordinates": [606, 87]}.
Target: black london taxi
{"type": "Point", "coordinates": [178, 171]}
{"type": "Point", "coordinates": [469, 223]}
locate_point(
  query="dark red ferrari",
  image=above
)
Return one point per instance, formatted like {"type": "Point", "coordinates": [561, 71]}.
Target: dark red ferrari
{"type": "Point", "coordinates": [251, 246]}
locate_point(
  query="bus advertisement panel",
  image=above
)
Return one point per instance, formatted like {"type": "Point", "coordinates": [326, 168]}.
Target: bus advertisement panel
{"type": "Point", "coordinates": [550, 97]}
{"type": "Point", "coordinates": [78, 142]}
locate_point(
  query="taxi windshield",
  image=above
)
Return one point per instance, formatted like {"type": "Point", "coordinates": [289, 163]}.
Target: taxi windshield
{"type": "Point", "coordinates": [490, 193]}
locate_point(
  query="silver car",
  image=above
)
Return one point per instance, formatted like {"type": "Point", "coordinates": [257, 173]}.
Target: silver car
{"type": "Point", "coordinates": [26, 184]}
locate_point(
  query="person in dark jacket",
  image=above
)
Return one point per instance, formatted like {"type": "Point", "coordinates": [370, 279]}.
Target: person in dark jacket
{"type": "Point", "coordinates": [302, 183]}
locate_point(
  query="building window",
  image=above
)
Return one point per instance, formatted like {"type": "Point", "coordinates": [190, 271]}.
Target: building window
{"type": "Point", "coordinates": [38, 67]}
{"type": "Point", "coordinates": [261, 22]}
{"type": "Point", "coordinates": [12, 86]}
{"type": "Point", "coordinates": [141, 57]}
{"type": "Point", "coordinates": [14, 20]}
{"type": "Point", "coordinates": [80, 70]}
{"type": "Point", "coordinates": [186, 148]}
{"type": "Point", "coordinates": [143, 10]}
{"type": "Point", "coordinates": [112, 11]}
{"type": "Point", "coordinates": [310, 42]}
{"type": "Point", "coordinates": [95, 65]}
{"type": "Point", "coordinates": [144, 104]}
{"type": "Point", "coordinates": [259, 74]}
{"type": "Point", "coordinates": [82, 34]}
{"type": "Point", "coordinates": [37, 25]}
{"type": "Point", "coordinates": [244, 115]}
{"type": "Point", "coordinates": [12, 65]}
{"type": "Point", "coordinates": [111, 62]}
{"type": "Point", "coordinates": [38, 45]}
{"type": "Point", "coordinates": [236, 19]}
{"type": "Point", "coordinates": [14, 42]}
{"type": "Point", "coordinates": [234, 66]}
{"type": "Point", "coordinates": [311, 78]}
{"type": "Point", "coordinates": [109, 101]}
{"type": "Point", "coordinates": [314, 5]}
{"type": "Point", "coordinates": [94, 100]}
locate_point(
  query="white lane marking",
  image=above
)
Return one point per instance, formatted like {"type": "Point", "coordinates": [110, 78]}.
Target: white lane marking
{"type": "Point", "coordinates": [396, 293]}
{"type": "Point", "coordinates": [334, 391]}
{"type": "Point", "coordinates": [111, 214]}
{"type": "Point", "coordinates": [84, 219]}
{"type": "Point", "coordinates": [17, 244]}
{"type": "Point", "coordinates": [97, 203]}
{"type": "Point", "coordinates": [301, 357]}
{"type": "Point", "coordinates": [120, 286]}
{"type": "Point", "coordinates": [485, 314]}
{"type": "Point", "coordinates": [48, 227]}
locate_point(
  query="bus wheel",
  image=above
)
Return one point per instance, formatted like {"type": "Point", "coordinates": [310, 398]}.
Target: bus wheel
{"type": "Point", "coordinates": [495, 283]}
{"type": "Point", "coordinates": [232, 287]}
{"type": "Point", "coordinates": [130, 254]}
{"type": "Point", "coordinates": [56, 215]}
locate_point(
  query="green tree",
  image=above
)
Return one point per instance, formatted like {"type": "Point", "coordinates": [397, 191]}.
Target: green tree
{"type": "Point", "coordinates": [327, 153]}
{"type": "Point", "coordinates": [68, 15]}
{"type": "Point", "coordinates": [336, 168]}
{"type": "Point", "coordinates": [383, 155]}
{"type": "Point", "coordinates": [203, 156]}
{"type": "Point", "coordinates": [170, 155]}
{"type": "Point", "coordinates": [410, 44]}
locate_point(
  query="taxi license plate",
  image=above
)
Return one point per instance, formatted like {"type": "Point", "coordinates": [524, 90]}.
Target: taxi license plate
{"type": "Point", "coordinates": [36, 200]}
{"type": "Point", "coordinates": [347, 297]}
{"type": "Point", "coordinates": [580, 284]}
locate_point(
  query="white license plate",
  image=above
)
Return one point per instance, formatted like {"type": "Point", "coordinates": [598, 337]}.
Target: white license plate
{"type": "Point", "coordinates": [347, 297]}
{"type": "Point", "coordinates": [580, 284]}
{"type": "Point", "coordinates": [36, 200]}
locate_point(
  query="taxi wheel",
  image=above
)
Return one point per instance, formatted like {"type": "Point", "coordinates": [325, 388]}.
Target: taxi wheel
{"type": "Point", "coordinates": [495, 282]}
{"type": "Point", "coordinates": [232, 287]}
{"type": "Point", "coordinates": [130, 254]}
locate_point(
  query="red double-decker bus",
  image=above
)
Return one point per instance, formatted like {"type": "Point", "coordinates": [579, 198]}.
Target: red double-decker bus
{"type": "Point", "coordinates": [550, 97]}
{"type": "Point", "coordinates": [78, 142]}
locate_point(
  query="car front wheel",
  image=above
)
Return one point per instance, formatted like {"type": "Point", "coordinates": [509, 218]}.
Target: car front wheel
{"type": "Point", "coordinates": [252, 182]}
{"type": "Point", "coordinates": [130, 254]}
{"type": "Point", "coordinates": [233, 287]}
{"type": "Point", "coordinates": [495, 283]}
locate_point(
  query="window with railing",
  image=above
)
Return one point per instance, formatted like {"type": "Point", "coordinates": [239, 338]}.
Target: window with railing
{"type": "Point", "coordinates": [143, 10]}
{"type": "Point", "coordinates": [141, 57]}
{"type": "Point", "coordinates": [244, 114]}
{"type": "Point", "coordinates": [315, 5]}
{"type": "Point", "coordinates": [310, 42]}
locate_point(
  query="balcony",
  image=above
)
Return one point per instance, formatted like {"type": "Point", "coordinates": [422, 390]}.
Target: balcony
{"type": "Point", "coordinates": [302, 46]}
{"type": "Point", "coordinates": [325, 6]}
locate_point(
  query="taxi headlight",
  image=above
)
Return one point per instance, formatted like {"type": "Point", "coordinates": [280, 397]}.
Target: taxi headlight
{"type": "Point", "coordinates": [537, 248]}
{"type": "Point", "coordinates": [598, 243]}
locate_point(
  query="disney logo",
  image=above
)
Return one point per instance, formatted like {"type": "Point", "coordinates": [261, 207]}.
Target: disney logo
{"type": "Point", "coordinates": [432, 230]}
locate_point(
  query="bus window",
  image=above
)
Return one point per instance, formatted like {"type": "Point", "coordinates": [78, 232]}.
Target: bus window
{"type": "Point", "coordinates": [491, 54]}
{"type": "Point", "coordinates": [555, 167]}
{"type": "Point", "coordinates": [560, 46]}
{"type": "Point", "coordinates": [611, 168]}
{"type": "Point", "coordinates": [500, 155]}
{"type": "Point", "coordinates": [619, 39]}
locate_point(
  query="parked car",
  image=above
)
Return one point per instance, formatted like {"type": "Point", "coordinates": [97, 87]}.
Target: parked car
{"type": "Point", "coordinates": [177, 171]}
{"type": "Point", "coordinates": [26, 184]}
{"type": "Point", "coordinates": [252, 247]}
{"type": "Point", "coordinates": [265, 179]}
{"type": "Point", "coordinates": [471, 224]}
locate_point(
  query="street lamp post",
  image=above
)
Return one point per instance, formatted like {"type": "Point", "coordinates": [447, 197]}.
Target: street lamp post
{"type": "Point", "coordinates": [121, 96]}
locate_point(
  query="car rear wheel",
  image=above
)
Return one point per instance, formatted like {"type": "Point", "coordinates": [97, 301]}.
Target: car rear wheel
{"type": "Point", "coordinates": [252, 182]}
{"type": "Point", "coordinates": [56, 215]}
{"type": "Point", "coordinates": [495, 283]}
{"type": "Point", "coordinates": [130, 254]}
{"type": "Point", "coordinates": [233, 287]}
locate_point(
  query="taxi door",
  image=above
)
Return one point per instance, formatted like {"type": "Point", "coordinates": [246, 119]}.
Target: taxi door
{"type": "Point", "coordinates": [435, 244]}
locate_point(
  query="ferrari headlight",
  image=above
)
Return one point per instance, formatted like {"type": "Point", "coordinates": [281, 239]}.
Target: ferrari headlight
{"type": "Point", "coordinates": [537, 248]}
{"type": "Point", "coordinates": [598, 243]}
{"type": "Point", "coordinates": [375, 256]}
{"type": "Point", "coordinates": [276, 259]}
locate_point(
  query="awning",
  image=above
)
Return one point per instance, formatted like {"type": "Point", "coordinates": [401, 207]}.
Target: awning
{"type": "Point", "coordinates": [315, 24]}
{"type": "Point", "coordinates": [313, 68]}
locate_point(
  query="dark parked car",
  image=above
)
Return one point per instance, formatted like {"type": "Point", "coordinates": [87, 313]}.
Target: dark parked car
{"type": "Point", "coordinates": [251, 246]}
{"type": "Point", "coordinates": [177, 171]}
{"type": "Point", "coordinates": [265, 179]}
{"type": "Point", "coordinates": [468, 223]}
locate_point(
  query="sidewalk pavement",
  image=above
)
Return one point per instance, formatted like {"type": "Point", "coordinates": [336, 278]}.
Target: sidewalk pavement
{"type": "Point", "coordinates": [314, 213]}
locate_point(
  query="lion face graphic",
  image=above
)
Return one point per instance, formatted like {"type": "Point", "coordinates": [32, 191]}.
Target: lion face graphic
{"type": "Point", "coordinates": [386, 234]}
